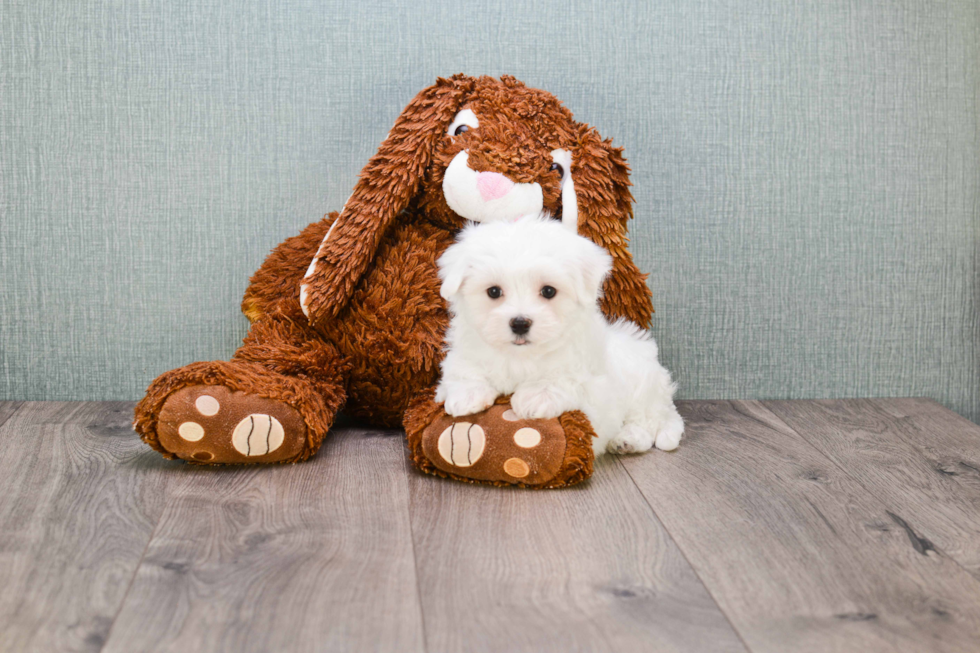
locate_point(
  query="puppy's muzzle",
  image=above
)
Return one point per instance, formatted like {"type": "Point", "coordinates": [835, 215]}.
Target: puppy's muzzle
{"type": "Point", "coordinates": [520, 326]}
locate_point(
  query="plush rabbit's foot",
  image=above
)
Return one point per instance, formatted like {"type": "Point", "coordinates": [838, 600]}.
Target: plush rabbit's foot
{"type": "Point", "coordinates": [495, 446]}
{"type": "Point", "coordinates": [213, 424]}
{"type": "Point", "coordinates": [222, 412]}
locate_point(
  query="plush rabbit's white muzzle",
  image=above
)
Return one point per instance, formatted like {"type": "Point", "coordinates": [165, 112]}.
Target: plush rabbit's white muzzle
{"type": "Point", "coordinates": [488, 196]}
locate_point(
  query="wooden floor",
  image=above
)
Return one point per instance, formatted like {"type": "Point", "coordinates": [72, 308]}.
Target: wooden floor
{"type": "Point", "coordinates": [777, 526]}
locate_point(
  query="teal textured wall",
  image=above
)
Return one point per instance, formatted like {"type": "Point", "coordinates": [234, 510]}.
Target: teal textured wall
{"type": "Point", "coordinates": [807, 174]}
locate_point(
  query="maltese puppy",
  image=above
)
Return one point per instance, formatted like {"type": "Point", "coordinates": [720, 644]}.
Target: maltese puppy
{"type": "Point", "coordinates": [526, 322]}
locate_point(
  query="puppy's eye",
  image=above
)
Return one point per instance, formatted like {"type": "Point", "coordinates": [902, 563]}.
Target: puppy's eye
{"type": "Point", "coordinates": [548, 292]}
{"type": "Point", "coordinates": [561, 171]}
{"type": "Point", "coordinates": [494, 292]}
{"type": "Point", "coordinates": [461, 129]}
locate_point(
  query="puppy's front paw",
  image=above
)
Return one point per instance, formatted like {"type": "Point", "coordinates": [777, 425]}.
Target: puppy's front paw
{"type": "Point", "coordinates": [538, 403]}
{"type": "Point", "coordinates": [467, 399]}
{"type": "Point", "coordinates": [670, 433]}
{"type": "Point", "coordinates": [632, 439]}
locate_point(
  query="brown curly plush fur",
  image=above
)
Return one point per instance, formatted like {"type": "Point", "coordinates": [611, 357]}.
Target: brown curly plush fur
{"type": "Point", "coordinates": [372, 340]}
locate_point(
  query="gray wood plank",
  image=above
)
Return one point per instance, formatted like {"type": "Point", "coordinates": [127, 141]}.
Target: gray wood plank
{"type": "Point", "coordinates": [797, 553]}
{"type": "Point", "coordinates": [7, 409]}
{"type": "Point", "coordinates": [308, 557]}
{"type": "Point", "coordinates": [79, 497]}
{"type": "Point", "coordinates": [581, 569]}
{"type": "Point", "coordinates": [924, 473]}
{"type": "Point", "coordinates": [952, 442]}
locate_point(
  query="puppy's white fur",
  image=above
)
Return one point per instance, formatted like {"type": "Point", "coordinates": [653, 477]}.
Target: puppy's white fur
{"type": "Point", "coordinates": [571, 358]}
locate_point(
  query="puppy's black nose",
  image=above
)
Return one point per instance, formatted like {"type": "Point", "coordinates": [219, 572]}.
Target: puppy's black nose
{"type": "Point", "coordinates": [520, 325]}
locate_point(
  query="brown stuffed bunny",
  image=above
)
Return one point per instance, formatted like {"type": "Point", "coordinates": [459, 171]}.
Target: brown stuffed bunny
{"type": "Point", "coordinates": [348, 315]}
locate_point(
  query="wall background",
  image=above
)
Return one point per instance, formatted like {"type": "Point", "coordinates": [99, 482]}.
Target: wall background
{"type": "Point", "coordinates": [807, 174]}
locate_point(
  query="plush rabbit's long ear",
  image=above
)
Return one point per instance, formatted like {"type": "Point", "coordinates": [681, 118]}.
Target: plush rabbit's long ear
{"type": "Point", "coordinates": [386, 186]}
{"type": "Point", "coordinates": [600, 176]}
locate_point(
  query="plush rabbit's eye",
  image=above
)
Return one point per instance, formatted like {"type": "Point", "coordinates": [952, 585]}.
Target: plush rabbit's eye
{"type": "Point", "coordinates": [494, 292]}
{"type": "Point", "coordinates": [548, 292]}
{"type": "Point", "coordinates": [464, 121]}
{"type": "Point", "coordinates": [561, 171]}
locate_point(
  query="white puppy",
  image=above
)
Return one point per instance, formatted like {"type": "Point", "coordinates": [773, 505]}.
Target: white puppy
{"type": "Point", "coordinates": [526, 321]}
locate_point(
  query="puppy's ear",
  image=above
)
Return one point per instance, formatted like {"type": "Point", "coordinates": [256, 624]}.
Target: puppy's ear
{"type": "Point", "coordinates": [453, 267]}
{"type": "Point", "coordinates": [387, 184]}
{"type": "Point", "coordinates": [600, 176]}
{"type": "Point", "coordinates": [592, 267]}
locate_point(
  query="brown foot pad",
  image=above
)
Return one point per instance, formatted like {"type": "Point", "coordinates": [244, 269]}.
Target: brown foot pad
{"type": "Point", "coordinates": [496, 445]}
{"type": "Point", "coordinates": [213, 424]}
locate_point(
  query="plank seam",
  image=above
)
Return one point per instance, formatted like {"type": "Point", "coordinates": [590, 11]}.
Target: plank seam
{"type": "Point", "coordinates": [694, 569]}
{"type": "Point", "coordinates": [409, 468]}
{"type": "Point", "coordinates": [136, 571]}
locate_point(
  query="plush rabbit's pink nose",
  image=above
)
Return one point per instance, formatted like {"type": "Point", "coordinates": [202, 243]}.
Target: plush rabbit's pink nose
{"type": "Point", "coordinates": [493, 185]}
